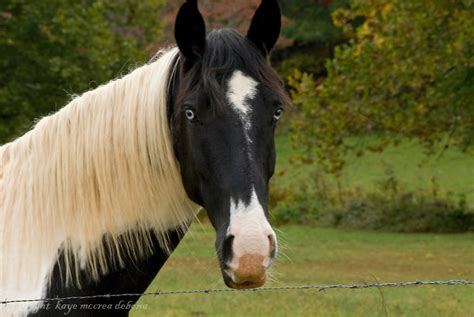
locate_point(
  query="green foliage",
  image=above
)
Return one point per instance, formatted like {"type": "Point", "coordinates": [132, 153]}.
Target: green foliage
{"type": "Point", "coordinates": [311, 20]}
{"type": "Point", "coordinates": [394, 210]}
{"type": "Point", "coordinates": [313, 35]}
{"type": "Point", "coordinates": [310, 63]}
{"type": "Point", "coordinates": [389, 208]}
{"type": "Point", "coordinates": [50, 49]}
{"type": "Point", "coordinates": [408, 71]}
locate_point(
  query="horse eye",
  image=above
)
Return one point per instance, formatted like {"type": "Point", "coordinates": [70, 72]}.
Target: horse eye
{"type": "Point", "coordinates": [277, 114]}
{"type": "Point", "coordinates": [190, 114]}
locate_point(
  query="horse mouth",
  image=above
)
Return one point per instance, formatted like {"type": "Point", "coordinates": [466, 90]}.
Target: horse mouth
{"type": "Point", "coordinates": [244, 284]}
{"type": "Point", "coordinates": [247, 285]}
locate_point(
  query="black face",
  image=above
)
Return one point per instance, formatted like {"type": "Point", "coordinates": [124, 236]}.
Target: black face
{"type": "Point", "coordinates": [223, 153]}
{"type": "Point", "coordinates": [226, 102]}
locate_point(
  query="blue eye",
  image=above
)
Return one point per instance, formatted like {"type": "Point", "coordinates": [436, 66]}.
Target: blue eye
{"type": "Point", "coordinates": [277, 114]}
{"type": "Point", "coordinates": [190, 114]}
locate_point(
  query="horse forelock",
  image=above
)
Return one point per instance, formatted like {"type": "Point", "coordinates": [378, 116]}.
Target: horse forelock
{"type": "Point", "coordinates": [227, 51]}
{"type": "Point", "coordinates": [102, 165]}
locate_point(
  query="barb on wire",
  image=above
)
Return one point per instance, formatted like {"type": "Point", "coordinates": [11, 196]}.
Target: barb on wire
{"type": "Point", "coordinates": [320, 288]}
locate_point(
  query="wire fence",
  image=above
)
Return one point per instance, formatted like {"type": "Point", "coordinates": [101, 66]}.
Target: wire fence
{"type": "Point", "coordinates": [319, 288]}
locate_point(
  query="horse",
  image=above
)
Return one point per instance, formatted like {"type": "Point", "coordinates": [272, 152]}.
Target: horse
{"type": "Point", "coordinates": [94, 198]}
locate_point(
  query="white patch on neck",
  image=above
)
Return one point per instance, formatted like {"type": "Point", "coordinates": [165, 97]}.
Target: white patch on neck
{"type": "Point", "coordinates": [33, 287]}
{"type": "Point", "coordinates": [250, 229]}
{"type": "Point", "coordinates": [242, 88]}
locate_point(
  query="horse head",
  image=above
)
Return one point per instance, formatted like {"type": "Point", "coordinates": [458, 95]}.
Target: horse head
{"type": "Point", "coordinates": [224, 107]}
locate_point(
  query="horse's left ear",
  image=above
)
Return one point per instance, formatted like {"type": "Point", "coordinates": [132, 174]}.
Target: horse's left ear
{"type": "Point", "coordinates": [190, 31]}
{"type": "Point", "coordinates": [265, 26]}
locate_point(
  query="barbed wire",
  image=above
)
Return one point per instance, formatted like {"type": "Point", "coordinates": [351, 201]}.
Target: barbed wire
{"type": "Point", "coordinates": [320, 288]}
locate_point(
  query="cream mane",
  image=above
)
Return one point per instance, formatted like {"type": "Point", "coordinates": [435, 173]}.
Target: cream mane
{"type": "Point", "coordinates": [103, 164]}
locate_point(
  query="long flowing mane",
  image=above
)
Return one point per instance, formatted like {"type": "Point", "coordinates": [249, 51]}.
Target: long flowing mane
{"type": "Point", "coordinates": [90, 180]}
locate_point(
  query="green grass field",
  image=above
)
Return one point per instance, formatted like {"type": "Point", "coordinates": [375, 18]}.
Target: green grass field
{"type": "Point", "coordinates": [452, 170]}
{"type": "Point", "coordinates": [330, 256]}
{"type": "Point", "coordinates": [324, 256]}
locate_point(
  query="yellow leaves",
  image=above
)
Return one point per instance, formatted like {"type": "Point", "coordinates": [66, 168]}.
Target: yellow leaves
{"type": "Point", "coordinates": [364, 30]}
{"type": "Point", "coordinates": [386, 9]}
{"type": "Point", "coordinates": [357, 50]}
{"type": "Point", "coordinates": [369, 31]}
{"type": "Point", "coordinates": [420, 108]}
{"type": "Point", "coordinates": [379, 40]}
{"type": "Point", "coordinates": [341, 17]}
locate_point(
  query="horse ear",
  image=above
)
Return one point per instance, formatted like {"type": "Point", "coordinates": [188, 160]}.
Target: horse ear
{"type": "Point", "coordinates": [190, 31]}
{"type": "Point", "coordinates": [265, 26]}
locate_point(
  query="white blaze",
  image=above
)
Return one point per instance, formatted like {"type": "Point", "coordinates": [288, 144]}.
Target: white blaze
{"type": "Point", "coordinates": [241, 89]}
{"type": "Point", "coordinates": [250, 229]}
{"type": "Point", "coordinates": [248, 223]}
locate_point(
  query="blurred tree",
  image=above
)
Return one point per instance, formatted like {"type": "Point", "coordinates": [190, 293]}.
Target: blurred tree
{"type": "Point", "coordinates": [312, 33]}
{"type": "Point", "coordinates": [407, 72]}
{"type": "Point", "coordinates": [53, 48]}
{"type": "Point", "coordinates": [310, 21]}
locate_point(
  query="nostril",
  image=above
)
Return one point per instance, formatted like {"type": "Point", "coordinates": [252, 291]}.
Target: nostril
{"type": "Point", "coordinates": [273, 246]}
{"type": "Point", "coordinates": [227, 248]}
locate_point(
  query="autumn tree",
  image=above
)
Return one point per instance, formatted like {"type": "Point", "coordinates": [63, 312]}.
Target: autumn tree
{"type": "Point", "coordinates": [407, 72]}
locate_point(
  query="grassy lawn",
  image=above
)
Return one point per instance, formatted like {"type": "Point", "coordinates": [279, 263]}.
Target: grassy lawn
{"type": "Point", "coordinates": [325, 256]}
{"type": "Point", "coordinates": [453, 170]}
{"type": "Point", "coordinates": [329, 256]}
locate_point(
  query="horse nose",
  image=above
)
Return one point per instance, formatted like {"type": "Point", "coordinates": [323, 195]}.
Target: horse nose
{"type": "Point", "coordinates": [227, 248]}
{"type": "Point", "coordinates": [248, 257]}
{"type": "Point", "coordinates": [250, 272]}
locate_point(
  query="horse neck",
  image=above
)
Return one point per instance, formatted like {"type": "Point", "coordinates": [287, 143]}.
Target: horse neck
{"type": "Point", "coordinates": [101, 166]}
{"type": "Point", "coordinates": [133, 278]}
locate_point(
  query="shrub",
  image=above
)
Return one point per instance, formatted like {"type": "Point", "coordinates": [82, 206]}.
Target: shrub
{"type": "Point", "coordinates": [389, 208]}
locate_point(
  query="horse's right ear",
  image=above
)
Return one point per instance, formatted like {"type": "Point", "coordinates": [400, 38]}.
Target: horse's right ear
{"type": "Point", "coordinates": [265, 26]}
{"type": "Point", "coordinates": [190, 31]}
